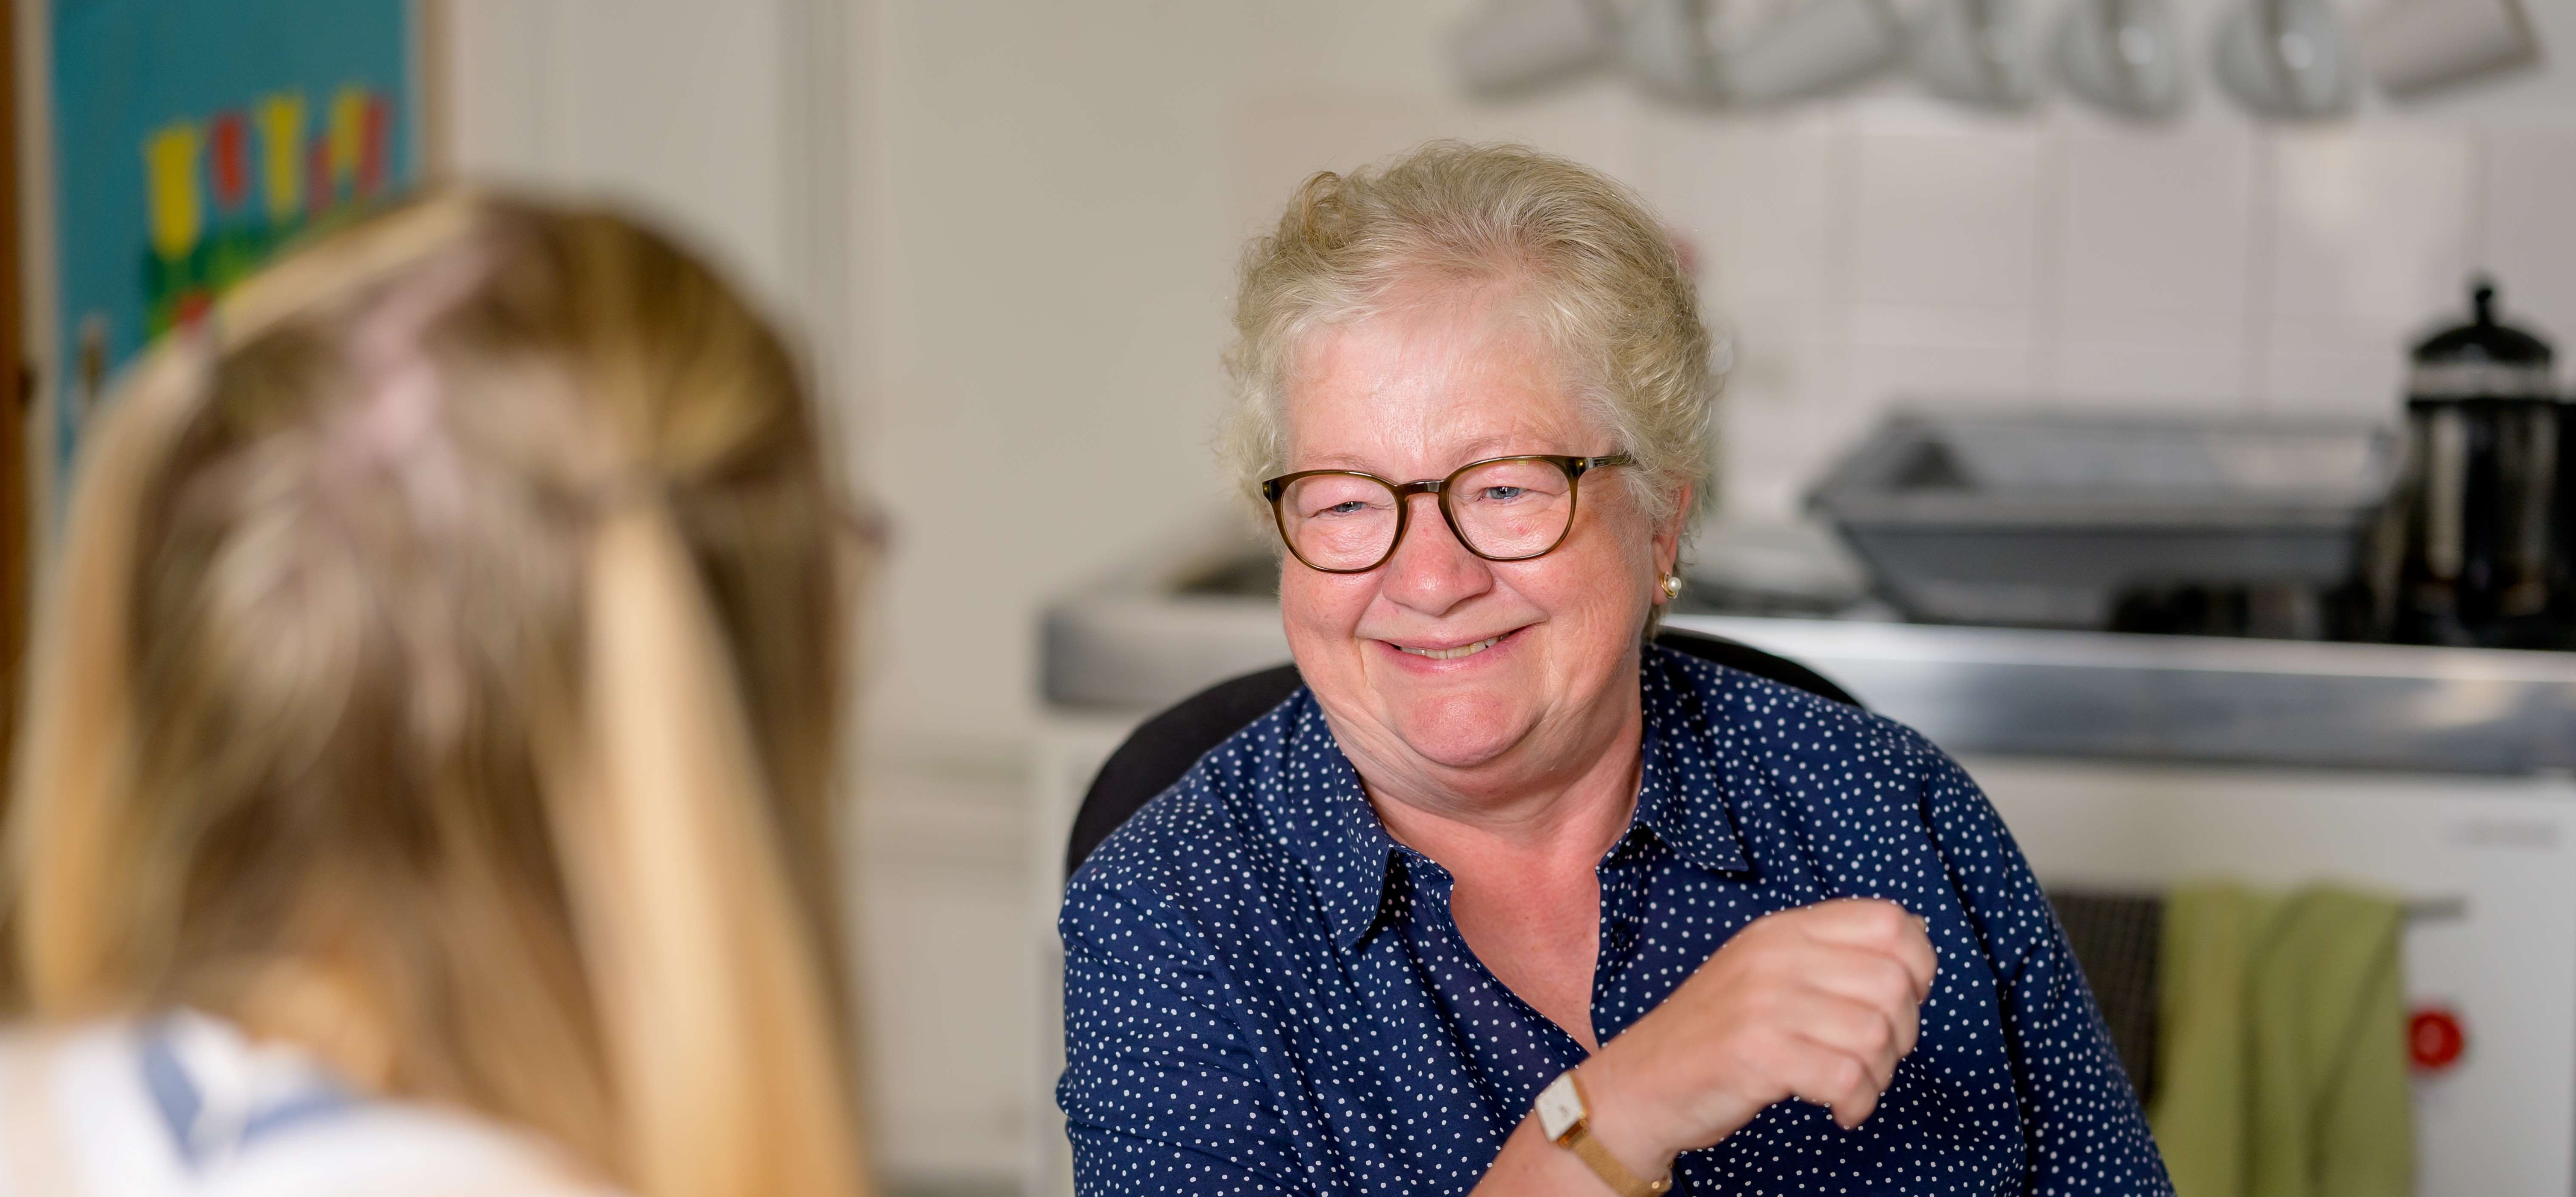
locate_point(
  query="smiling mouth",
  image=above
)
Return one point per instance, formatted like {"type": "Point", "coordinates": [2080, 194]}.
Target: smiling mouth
{"type": "Point", "coordinates": [1452, 654]}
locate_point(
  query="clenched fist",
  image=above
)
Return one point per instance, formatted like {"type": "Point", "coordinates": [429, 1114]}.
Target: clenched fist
{"type": "Point", "coordinates": [1817, 1003]}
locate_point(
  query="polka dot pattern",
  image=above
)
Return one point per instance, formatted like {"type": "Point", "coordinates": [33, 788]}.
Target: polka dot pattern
{"type": "Point", "coordinates": [1265, 993]}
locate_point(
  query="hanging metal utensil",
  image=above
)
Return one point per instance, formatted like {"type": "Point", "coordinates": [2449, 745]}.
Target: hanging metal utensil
{"type": "Point", "coordinates": [2124, 56]}
{"type": "Point", "coordinates": [1975, 52]}
{"type": "Point", "coordinates": [1813, 47]}
{"type": "Point", "coordinates": [2416, 47]}
{"type": "Point", "coordinates": [1509, 46]}
{"type": "Point", "coordinates": [1666, 49]}
{"type": "Point", "coordinates": [2285, 58]}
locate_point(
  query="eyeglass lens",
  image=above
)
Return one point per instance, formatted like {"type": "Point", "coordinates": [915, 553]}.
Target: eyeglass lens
{"type": "Point", "coordinates": [1503, 510]}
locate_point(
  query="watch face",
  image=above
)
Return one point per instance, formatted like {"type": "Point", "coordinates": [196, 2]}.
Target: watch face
{"type": "Point", "coordinates": [1560, 1108]}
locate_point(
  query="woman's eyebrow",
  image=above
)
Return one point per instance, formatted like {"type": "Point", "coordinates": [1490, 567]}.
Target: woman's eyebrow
{"type": "Point", "coordinates": [1334, 461]}
{"type": "Point", "coordinates": [1499, 444]}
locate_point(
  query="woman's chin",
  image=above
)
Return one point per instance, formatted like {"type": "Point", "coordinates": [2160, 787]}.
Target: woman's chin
{"type": "Point", "coordinates": [1463, 731]}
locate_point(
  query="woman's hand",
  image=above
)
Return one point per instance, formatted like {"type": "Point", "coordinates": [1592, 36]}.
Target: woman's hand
{"type": "Point", "coordinates": [1817, 1003]}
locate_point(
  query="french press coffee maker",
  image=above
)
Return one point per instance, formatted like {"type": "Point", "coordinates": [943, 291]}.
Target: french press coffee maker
{"type": "Point", "coordinates": [2475, 508]}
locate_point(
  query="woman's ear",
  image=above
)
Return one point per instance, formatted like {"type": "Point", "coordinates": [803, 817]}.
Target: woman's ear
{"type": "Point", "coordinates": [1668, 537]}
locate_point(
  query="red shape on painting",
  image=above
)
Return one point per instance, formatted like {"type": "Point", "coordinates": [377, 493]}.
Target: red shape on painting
{"type": "Point", "coordinates": [229, 139]}
{"type": "Point", "coordinates": [319, 187]}
{"type": "Point", "coordinates": [372, 147]}
{"type": "Point", "coordinates": [2434, 1039]}
{"type": "Point", "coordinates": [192, 307]}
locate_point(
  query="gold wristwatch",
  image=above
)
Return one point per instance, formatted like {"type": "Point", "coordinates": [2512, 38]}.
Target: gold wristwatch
{"type": "Point", "coordinates": [1567, 1121]}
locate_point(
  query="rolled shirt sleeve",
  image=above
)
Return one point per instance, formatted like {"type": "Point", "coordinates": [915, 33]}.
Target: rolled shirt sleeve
{"type": "Point", "coordinates": [2082, 1123]}
{"type": "Point", "coordinates": [1161, 1092]}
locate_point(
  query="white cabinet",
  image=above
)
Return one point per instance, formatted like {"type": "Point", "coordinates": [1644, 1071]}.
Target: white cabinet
{"type": "Point", "coordinates": [1069, 751]}
{"type": "Point", "coordinates": [2491, 860]}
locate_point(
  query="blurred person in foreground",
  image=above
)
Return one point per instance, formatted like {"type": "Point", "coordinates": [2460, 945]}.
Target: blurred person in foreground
{"type": "Point", "coordinates": [426, 790]}
{"type": "Point", "coordinates": [1509, 898]}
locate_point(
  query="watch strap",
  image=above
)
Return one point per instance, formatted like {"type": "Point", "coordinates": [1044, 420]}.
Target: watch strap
{"type": "Point", "coordinates": [1578, 1139]}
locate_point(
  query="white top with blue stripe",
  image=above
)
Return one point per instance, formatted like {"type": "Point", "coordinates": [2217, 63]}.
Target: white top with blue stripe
{"type": "Point", "coordinates": [184, 1106]}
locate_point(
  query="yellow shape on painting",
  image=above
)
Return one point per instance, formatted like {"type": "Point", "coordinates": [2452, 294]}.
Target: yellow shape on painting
{"type": "Point", "coordinates": [177, 197]}
{"type": "Point", "coordinates": [281, 141]}
{"type": "Point", "coordinates": [348, 131]}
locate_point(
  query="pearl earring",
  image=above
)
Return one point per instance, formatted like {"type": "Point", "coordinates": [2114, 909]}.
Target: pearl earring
{"type": "Point", "coordinates": [1672, 586]}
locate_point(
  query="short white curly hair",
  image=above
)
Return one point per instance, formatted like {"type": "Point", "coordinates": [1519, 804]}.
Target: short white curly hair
{"type": "Point", "coordinates": [1609, 287]}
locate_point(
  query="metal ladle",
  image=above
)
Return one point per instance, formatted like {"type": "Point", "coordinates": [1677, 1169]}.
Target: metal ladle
{"type": "Point", "coordinates": [1796, 48]}
{"type": "Point", "coordinates": [2124, 56]}
{"type": "Point", "coordinates": [1976, 52]}
{"type": "Point", "coordinates": [2285, 58]}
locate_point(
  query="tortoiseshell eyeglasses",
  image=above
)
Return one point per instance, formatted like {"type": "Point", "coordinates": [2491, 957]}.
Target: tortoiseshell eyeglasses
{"type": "Point", "coordinates": [1501, 508]}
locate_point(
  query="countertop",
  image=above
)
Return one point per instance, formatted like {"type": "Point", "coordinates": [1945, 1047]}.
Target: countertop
{"type": "Point", "coordinates": [1138, 644]}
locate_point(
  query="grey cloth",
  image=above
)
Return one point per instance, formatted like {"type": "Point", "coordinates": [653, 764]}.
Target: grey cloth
{"type": "Point", "coordinates": [2118, 940]}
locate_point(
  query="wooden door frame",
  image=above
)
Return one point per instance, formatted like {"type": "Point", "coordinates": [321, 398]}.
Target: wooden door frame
{"type": "Point", "coordinates": [18, 390]}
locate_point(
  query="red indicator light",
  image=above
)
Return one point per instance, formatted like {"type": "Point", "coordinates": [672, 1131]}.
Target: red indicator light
{"type": "Point", "coordinates": [2434, 1040]}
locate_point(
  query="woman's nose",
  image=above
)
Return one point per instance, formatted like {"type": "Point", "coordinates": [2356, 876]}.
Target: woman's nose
{"type": "Point", "coordinates": [1431, 572]}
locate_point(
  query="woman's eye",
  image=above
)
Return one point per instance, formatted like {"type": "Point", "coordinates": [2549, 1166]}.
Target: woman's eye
{"type": "Point", "coordinates": [1502, 494]}
{"type": "Point", "coordinates": [1350, 508]}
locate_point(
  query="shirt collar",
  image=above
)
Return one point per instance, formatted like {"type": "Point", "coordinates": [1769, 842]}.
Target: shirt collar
{"type": "Point", "coordinates": [1682, 798]}
{"type": "Point", "coordinates": [1328, 823]}
{"type": "Point", "coordinates": [1684, 790]}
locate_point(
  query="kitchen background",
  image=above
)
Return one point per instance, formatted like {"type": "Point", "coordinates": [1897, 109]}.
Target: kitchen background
{"type": "Point", "coordinates": [1059, 194]}
{"type": "Point", "coordinates": [1008, 230]}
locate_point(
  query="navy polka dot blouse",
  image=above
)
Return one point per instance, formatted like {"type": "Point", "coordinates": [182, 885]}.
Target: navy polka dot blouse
{"type": "Point", "coordinates": [1265, 993]}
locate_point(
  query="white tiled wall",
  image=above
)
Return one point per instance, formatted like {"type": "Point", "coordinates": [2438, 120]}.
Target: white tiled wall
{"type": "Point", "coordinates": [2526, 184]}
{"type": "Point", "coordinates": [1890, 250]}
{"type": "Point", "coordinates": [1885, 246]}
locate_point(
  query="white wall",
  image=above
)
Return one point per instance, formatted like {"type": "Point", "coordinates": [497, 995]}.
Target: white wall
{"type": "Point", "coordinates": [669, 106]}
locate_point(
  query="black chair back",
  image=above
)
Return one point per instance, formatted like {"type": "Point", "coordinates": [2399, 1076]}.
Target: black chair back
{"type": "Point", "coordinates": [1164, 747]}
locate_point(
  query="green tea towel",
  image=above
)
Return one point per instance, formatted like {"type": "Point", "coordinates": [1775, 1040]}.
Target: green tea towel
{"type": "Point", "coordinates": [2282, 1071]}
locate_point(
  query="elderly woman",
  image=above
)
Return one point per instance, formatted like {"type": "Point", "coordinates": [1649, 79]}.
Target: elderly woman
{"type": "Point", "coordinates": [1508, 898]}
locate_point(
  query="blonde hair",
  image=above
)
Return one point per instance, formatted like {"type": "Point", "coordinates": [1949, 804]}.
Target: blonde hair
{"type": "Point", "coordinates": [441, 671]}
{"type": "Point", "coordinates": [1581, 250]}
